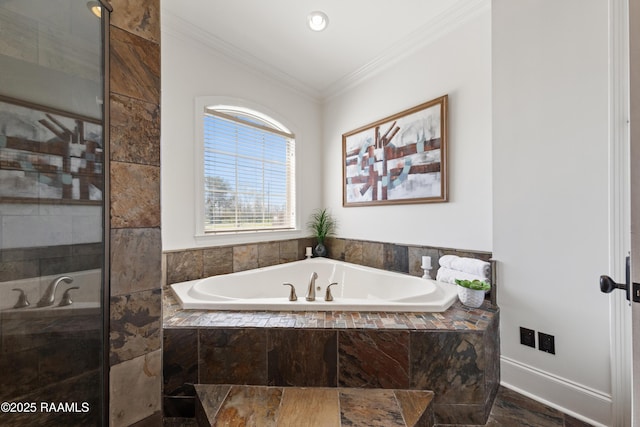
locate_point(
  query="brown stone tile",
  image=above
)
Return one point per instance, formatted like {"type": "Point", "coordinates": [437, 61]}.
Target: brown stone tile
{"type": "Point", "coordinates": [210, 398]}
{"type": "Point", "coordinates": [250, 406]}
{"type": "Point", "coordinates": [135, 325]}
{"type": "Point", "coordinates": [180, 361]}
{"type": "Point", "coordinates": [396, 258]}
{"type": "Point", "coordinates": [370, 407]}
{"type": "Point", "coordinates": [135, 260]}
{"type": "Point", "coordinates": [151, 421]}
{"type": "Point", "coordinates": [135, 131]}
{"type": "Point", "coordinates": [511, 408]}
{"type": "Point", "coordinates": [135, 196]}
{"type": "Point", "coordinates": [139, 377]}
{"type": "Point", "coordinates": [451, 364]}
{"type": "Point", "coordinates": [373, 359]}
{"type": "Point", "coordinates": [289, 251]}
{"type": "Point", "coordinates": [268, 254]}
{"type": "Point", "coordinates": [302, 358]}
{"type": "Point", "coordinates": [336, 248]}
{"type": "Point", "coordinates": [310, 407]}
{"type": "Point", "coordinates": [233, 356]}
{"type": "Point", "coordinates": [415, 407]}
{"type": "Point", "coordinates": [184, 265]}
{"type": "Point", "coordinates": [141, 17]}
{"type": "Point", "coordinates": [217, 261]}
{"type": "Point", "coordinates": [462, 415]}
{"type": "Point", "coordinates": [245, 257]}
{"type": "Point", "coordinates": [373, 254]}
{"type": "Point", "coordinates": [353, 251]}
{"type": "Point", "coordinates": [569, 421]}
{"type": "Point", "coordinates": [134, 66]}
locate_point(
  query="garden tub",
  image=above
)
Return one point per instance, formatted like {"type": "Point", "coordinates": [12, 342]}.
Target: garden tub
{"type": "Point", "coordinates": [357, 288]}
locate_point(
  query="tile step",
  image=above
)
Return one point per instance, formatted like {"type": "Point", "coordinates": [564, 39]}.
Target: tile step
{"type": "Point", "coordinates": [242, 405]}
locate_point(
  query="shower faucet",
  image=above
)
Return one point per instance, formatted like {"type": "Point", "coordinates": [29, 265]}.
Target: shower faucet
{"type": "Point", "coordinates": [50, 294]}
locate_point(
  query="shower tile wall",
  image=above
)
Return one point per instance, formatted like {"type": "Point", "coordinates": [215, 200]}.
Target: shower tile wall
{"type": "Point", "coordinates": [136, 252]}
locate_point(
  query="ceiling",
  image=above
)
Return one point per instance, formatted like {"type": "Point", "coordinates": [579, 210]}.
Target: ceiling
{"type": "Point", "coordinates": [362, 36]}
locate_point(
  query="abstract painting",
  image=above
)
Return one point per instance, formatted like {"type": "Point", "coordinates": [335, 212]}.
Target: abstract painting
{"type": "Point", "coordinates": [49, 154]}
{"type": "Point", "coordinates": [399, 159]}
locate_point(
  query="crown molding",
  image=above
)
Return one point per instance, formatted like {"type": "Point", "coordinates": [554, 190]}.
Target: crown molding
{"type": "Point", "coordinates": [180, 28]}
{"type": "Point", "coordinates": [436, 28]}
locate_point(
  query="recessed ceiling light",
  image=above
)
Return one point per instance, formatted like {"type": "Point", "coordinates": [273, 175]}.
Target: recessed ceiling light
{"type": "Point", "coordinates": [317, 20]}
{"type": "Point", "coordinates": [95, 8]}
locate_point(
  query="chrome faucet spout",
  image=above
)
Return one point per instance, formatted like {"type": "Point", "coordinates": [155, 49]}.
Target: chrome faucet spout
{"type": "Point", "coordinates": [49, 295]}
{"type": "Point", "coordinates": [311, 290]}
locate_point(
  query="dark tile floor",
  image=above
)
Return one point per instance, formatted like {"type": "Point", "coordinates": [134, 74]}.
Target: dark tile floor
{"type": "Point", "coordinates": [510, 409]}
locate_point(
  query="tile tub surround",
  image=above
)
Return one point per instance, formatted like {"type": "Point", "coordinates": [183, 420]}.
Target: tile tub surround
{"type": "Point", "coordinates": [192, 264]}
{"type": "Point", "coordinates": [455, 354]}
{"type": "Point", "coordinates": [293, 406]}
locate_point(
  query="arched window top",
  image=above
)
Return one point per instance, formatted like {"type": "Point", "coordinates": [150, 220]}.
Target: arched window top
{"type": "Point", "coordinates": [248, 171]}
{"type": "Point", "coordinates": [249, 117]}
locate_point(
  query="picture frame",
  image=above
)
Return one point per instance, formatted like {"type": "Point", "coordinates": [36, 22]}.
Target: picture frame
{"type": "Point", "coordinates": [49, 155]}
{"type": "Point", "coordinates": [401, 159]}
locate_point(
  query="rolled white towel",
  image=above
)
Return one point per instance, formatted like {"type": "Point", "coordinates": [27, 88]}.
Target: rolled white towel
{"type": "Point", "coordinates": [447, 260]}
{"type": "Point", "coordinates": [448, 275]}
{"type": "Point", "coordinates": [471, 266]}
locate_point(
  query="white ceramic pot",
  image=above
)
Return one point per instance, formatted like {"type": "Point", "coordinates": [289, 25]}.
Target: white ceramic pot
{"type": "Point", "coordinates": [470, 297]}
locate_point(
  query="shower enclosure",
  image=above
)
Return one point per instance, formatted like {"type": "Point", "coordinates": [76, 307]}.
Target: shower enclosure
{"type": "Point", "coordinates": [53, 191]}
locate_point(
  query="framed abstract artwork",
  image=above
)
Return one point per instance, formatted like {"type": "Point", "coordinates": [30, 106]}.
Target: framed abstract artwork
{"type": "Point", "coordinates": [49, 155]}
{"type": "Point", "coordinates": [399, 159]}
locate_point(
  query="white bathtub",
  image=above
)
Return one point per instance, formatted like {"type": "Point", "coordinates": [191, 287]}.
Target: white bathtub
{"type": "Point", "coordinates": [358, 288]}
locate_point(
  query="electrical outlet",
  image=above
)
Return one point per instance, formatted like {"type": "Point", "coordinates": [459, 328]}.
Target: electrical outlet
{"type": "Point", "coordinates": [527, 337]}
{"type": "Point", "coordinates": [546, 343]}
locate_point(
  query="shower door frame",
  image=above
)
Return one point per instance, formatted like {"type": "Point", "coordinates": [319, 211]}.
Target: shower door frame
{"type": "Point", "coordinates": [106, 270]}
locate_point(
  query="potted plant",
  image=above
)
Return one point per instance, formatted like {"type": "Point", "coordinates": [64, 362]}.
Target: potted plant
{"type": "Point", "coordinates": [322, 225]}
{"type": "Point", "coordinates": [471, 292]}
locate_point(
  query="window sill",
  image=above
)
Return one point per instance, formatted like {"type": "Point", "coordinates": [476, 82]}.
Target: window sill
{"type": "Point", "coordinates": [236, 237]}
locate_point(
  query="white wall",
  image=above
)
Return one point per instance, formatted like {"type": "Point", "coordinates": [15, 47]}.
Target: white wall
{"type": "Point", "coordinates": [457, 64]}
{"type": "Point", "coordinates": [550, 197]}
{"type": "Point", "coordinates": [190, 69]}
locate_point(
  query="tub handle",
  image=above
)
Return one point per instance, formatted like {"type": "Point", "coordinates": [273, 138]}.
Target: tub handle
{"type": "Point", "coordinates": [292, 294]}
{"type": "Point", "coordinates": [327, 295]}
{"type": "Point", "coordinates": [22, 299]}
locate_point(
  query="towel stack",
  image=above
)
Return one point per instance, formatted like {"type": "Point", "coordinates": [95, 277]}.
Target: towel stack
{"type": "Point", "coordinates": [453, 267]}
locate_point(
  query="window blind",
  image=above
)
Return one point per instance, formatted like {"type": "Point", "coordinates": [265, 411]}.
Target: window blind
{"type": "Point", "coordinates": [249, 173]}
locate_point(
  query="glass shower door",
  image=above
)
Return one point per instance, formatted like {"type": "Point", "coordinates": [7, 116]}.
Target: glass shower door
{"type": "Point", "coordinates": [52, 207]}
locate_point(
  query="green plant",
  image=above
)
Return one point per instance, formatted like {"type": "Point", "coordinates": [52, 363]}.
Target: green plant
{"type": "Point", "coordinates": [476, 285]}
{"type": "Point", "coordinates": [322, 224]}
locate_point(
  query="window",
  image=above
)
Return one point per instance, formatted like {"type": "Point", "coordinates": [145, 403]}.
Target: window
{"type": "Point", "coordinates": [249, 172]}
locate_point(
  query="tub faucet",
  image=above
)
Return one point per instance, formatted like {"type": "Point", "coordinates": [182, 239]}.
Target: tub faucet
{"type": "Point", "coordinates": [49, 295]}
{"type": "Point", "coordinates": [311, 291]}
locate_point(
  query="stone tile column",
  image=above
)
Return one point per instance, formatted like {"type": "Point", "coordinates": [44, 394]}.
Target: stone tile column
{"type": "Point", "coordinates": [136, 251]}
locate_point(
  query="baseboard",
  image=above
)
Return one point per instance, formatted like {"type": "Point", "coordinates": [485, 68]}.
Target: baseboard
{"type": "Point", "coordinates": [576, 400]}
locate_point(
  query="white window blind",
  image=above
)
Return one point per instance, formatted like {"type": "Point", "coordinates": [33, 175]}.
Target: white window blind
{"type": "Point", "coordinates": [249, 173]}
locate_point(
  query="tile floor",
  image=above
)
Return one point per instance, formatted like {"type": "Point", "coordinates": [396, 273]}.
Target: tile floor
{"type": "Point", "coordinates": [510, 410]}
